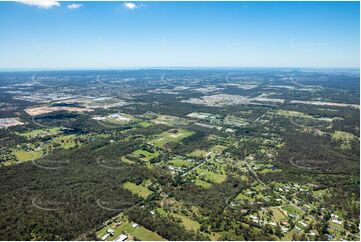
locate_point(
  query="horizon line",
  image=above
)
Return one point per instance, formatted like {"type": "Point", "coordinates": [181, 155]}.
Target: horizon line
{"type": "Point", "coordinates": [167, 68]}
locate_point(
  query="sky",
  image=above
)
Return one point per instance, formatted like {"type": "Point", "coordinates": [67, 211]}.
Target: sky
{"type": "Point", "coordinates": [107, 35]}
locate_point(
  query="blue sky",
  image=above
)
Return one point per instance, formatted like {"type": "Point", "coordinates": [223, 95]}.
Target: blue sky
{"type": "Point", "coordinates": [179, 34]}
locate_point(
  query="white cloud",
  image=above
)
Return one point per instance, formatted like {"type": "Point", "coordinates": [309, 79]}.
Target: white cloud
{"type": "Point", "coordinates": [74, 6]}
{"type": "Point", "coordinates": [130, 5]}
{"type": "Point", "coordinates": [46, 4]}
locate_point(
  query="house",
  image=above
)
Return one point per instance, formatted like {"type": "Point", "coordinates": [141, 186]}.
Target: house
{"type": "Point", "coordinates": [303, 224]}
{"type": "Point", "coordinates": [122, 237]}
{"type": "Point", "coordinates": [284, 223]}
{"type": "Point", "coordinates": [294, 216]}
{"type": "Point", "coordinates": [135, 225]}
{"type": "Point", "coordinates": [105, 236]}
{"type": "Point", "coordinates": [284, 229]}
{"type": "Point", "coordinates": [254, 218]}
{"type": "Point", "coordinates": [329, 236]}
{"type": "Point", "coordinates": [336, 221]}
{"type": "Point", "coordinates": [110, 232]}
{"type": "Point", "coordinates": [312, 233]}
{"type": "Point", "coordinates": [208, 155]}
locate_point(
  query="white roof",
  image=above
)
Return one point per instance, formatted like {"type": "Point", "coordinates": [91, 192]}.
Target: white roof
{"type": "Point", "coordinates": [105, 237]}
{"type": "Point", "coordinates": [122, 237]}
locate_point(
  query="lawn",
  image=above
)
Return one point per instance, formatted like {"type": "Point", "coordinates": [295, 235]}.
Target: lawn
{"type": "Point", "coordinates": [241, 197]}
{"type": "Point", "coordinates": [290, 113]}
{"type": "Point", "coordinates": [211, 176]}
{"type": "Point", "coordinates": [137, 189]}
{"type": "Point", "coordinates": [217, 149]}
{"type": "Point", "coordinates": [161, 211]}
{"type": "Point", "coordinates": [179, 162]}
{"type": "Point", "coordinates": [169, 120]}
{"type": "Point", "coordinates": [22, 155]}
{"type": "Point", "coordinates": [345, 138]}
{"type": "Point", "coordinates": [341, 135]}
{"type": "Point", "coordinates": [145, 155]}
{"type": "Point", "coordinates": [235, 121]}
{"type": "Point", "coordinates": [174, 135]}
{"type": "Point", "coordinates": [188, 223]}
{"type": "Point", "coordinates": [277, 214]}
{"type": "Point", "coordinates": [202, 183]}
{"type": "Point", "coordinates": [145, 124]}
{"type": "Point", "coordinates": [199, 153]}
{"type": "Point", "coordinates": [292, 209]}
{"type": "Point", "coordinates": [65, 141]}
{"type": "Point", "coordinates": [40, 133]}
{"type": "Point", "coordinates": [320, 193]}
{"type": "Point", "coordinates": [140, 232]}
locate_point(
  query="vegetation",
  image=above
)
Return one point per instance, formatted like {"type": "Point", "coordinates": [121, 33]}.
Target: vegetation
{"type": "Point", "coordinates": [182, 170]}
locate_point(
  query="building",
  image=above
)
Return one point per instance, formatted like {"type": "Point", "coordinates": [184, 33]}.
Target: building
{"type": "Point", "coordinates": [135, 225]}
{"type": "Point", "coordinates": [110, 232]}
{"type": "Point", "coordinates": [336, 221]}
{"type": "Point", "coordinates": [122, 237]}
{"type": "Point", "coordinates": [105, 236]}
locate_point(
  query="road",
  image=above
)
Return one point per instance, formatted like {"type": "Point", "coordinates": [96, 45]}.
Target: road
{"type": "Point", "coordinates": [197, 166]}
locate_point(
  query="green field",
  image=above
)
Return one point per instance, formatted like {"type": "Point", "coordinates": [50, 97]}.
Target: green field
{"type": "Point", "coordinates": [292, 209]}
{"type": "Point", "coordinates": [22, 155]}
{"type": "Point", "coordinates": [241, 197]}
{"type": "Point", "coordinates": [174, 135]}
{"type": "Point", "coordinates": [65, 141]}
{"type": "Point", "coordinates": [344, 136]}
{"type": "Point", "coordinates": [161, 211]}
{"type": "Point", "coordinates": [140, 232]}
{"type": "Point", "coordinates": [199, 153]}
{"type": "Point", "coordinates": [290, 113]}
{"type": "Point", "coordinates": [277, 214]}
{"type": "Point", "coordinates": [217, 149]}
{"type": "Point", "coordinates": [235, 121]}
{"type": "Point", "coordinates": [144, 154]}
{"type": "Point", "coordinates": [188, 223]}
{"type": "Point", "coordinates": [137, 189]}
{"type": "Point", "coordinates": [179, 162]}
{"type": "Point", "coordinates": [118, 118]}
{"type": "Point", "coordinates": [202, 183]}
{"type": "Point", "coordinates": [211, 176]}
{"type": "Point", "coordinates": [40, 133]}
{"type": "Point", "coordinates": [169, 120]}
{"type": "Point", "coordinates": [145, 124]}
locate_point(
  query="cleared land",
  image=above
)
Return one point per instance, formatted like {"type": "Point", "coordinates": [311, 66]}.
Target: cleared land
{"type": "Point", "coordinates": [137, 189]}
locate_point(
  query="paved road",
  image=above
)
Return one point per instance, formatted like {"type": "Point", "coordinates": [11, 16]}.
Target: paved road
{"type": "Point", "coordinates": [185, 173]}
